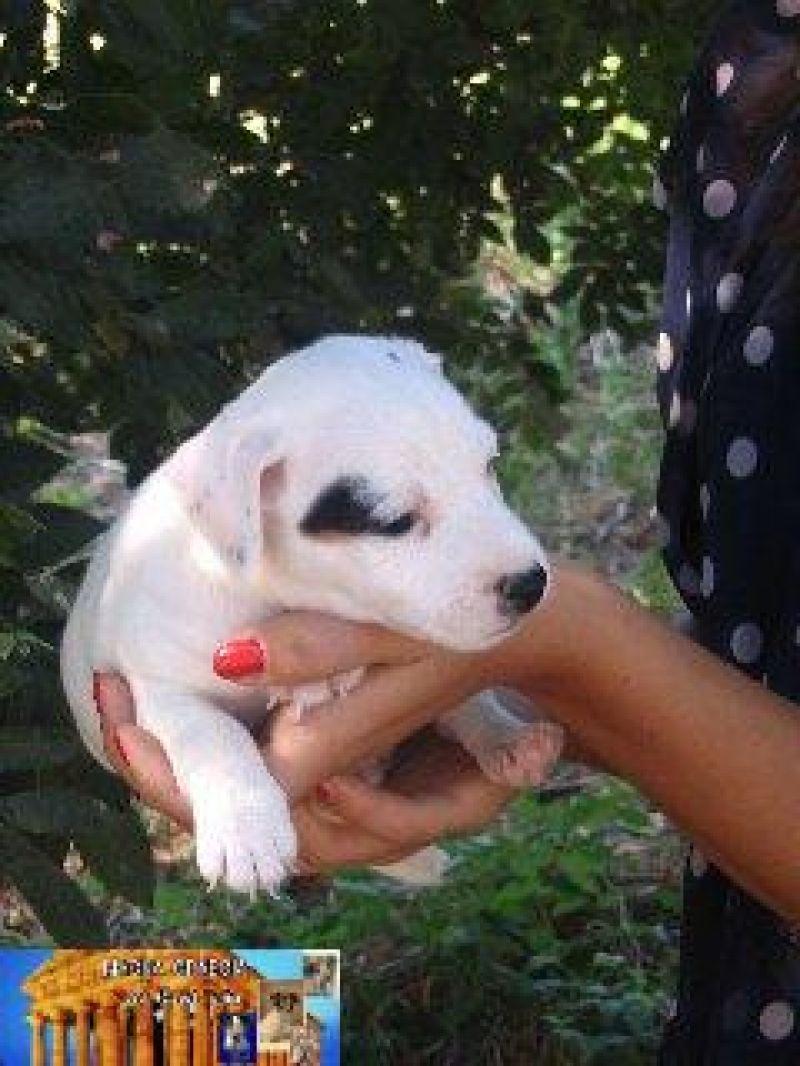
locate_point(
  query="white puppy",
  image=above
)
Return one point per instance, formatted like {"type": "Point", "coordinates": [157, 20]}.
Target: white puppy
{"type": "Point", "coordinates": [351, 478]}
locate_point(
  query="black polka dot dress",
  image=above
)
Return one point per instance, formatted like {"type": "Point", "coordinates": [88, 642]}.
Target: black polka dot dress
{"type": "Point", "coordinates": [729, 492]}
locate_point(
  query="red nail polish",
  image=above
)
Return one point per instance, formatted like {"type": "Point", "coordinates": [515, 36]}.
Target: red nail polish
{"type": "Point", "coordinates": [239, 658]}
{"type": "Point", "coordinates": [324, 793]}
{"type": "Point", "coordinates": [119, 748]}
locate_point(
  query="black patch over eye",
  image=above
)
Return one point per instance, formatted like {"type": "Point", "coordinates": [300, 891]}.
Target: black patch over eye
{"type": "Point", "coordinates": [349, 507]}
{"type": "Point", "coordinates": [343, 507]}
{"type": "Point", "coordinates": [398, 527]}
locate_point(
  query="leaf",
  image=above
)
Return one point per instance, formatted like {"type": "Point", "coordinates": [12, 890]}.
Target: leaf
{"type": "Point", "coordinates": [113, 843]}
{"type": "Point", "coordinates": [26, 465]}
{"type": "Point", "coordinates": [58, 902]}
{"type": "Point", "coordinates": [64, 530]}
{"type": "Point", "coordinates": [16, 527]}
{"type": "Point", "coordinates": [26, 749]}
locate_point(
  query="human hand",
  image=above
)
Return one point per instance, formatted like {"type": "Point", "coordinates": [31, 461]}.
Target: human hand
{"type": "Point", "coordinates": [399, 694]}
{"type": "Point", "coordinates": [302, 647]}
{"type": "Point", "coordinates": [436, 792]}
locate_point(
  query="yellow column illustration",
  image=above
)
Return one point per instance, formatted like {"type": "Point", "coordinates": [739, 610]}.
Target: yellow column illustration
{"type": "Point", "coordinates": [82, 1034]}
{"type": "Point", "coordinates": [214, 1035]}
{"type": "Point", "coordinates": [143, 1035]}
{"type": "Point", "coordinates": [122, 1032]}
{"type": "Point", "coordinates": [179, 1035]}
{"type": "Point", "coordinates": [108, 1035]}
{"type": "Point", "coordinates": [37, 1047]}
{"type": "Point", "coordinates": [70, 981]}
{"type": "Point", "coordinates": [59, 1038]}
{"type": "Point", "coordinates": [202, 1033]}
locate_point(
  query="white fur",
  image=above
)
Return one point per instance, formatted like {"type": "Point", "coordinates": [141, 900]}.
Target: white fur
{"type": "Point", "coordinates": [209, 544]}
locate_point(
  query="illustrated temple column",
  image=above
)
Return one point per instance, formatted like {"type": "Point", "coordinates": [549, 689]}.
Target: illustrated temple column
{"type": "Point", "coordinates": [59, 1038]}
{"type": "Point", "coordinates": [82, 1034]}
{"type": "Point", "coordinates": [143, 1035]}
{"type": "Point", "coordinates": [38, 1046]}
{"type": "Point", "coordinates": [215, 1013]}
{"type": "Point", "coordinates": [178, 1030]}
{"type": "Point", "coordinates": [201, 1047]}
{"type": "Point", "coordinates": [108, 1036]}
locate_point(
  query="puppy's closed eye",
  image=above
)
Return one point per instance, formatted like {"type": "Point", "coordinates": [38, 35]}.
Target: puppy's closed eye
{"type": "Point", "coordinates": [398, 527]}
{"type": "Point", "coordinates": [350, 507]}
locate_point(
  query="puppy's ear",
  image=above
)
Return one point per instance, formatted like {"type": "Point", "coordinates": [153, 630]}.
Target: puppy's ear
{"type": "Point", "coordinates": [229, 477]}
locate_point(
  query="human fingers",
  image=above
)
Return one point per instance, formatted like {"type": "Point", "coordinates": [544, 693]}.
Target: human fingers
{"type": "Point", "coordinates": [326, 843]}
{"type": "Point", "coordinates": [136, 755]}
{"type": "Point", "coordinates": [389, 705]}
{"type": "Point", "coordinates": [304, 646]}
{"type": "Point", "coordinates": [443, 793]}
{"type": "Point", "coordinates": [151, 774]}
{"type": "Point", "coordinates": [361, 824]}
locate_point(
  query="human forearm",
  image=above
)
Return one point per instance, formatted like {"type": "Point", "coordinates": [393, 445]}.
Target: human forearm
{"type": "Point", "coordinates": [719, 753]}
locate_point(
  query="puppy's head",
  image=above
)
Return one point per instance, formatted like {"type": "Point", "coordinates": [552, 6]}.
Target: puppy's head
{"type": "Point", "coordinates": [353, 478]}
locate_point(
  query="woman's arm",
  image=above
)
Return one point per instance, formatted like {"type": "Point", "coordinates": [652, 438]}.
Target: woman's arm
{"type": "Point", "coordinates": [717, 752]}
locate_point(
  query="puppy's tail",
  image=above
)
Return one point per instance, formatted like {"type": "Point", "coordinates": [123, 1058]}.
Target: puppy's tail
{"type": "Point", "coordinates": [424, 868]}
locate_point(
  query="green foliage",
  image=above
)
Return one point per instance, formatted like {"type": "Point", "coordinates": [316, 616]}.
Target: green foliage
{"type": "Point", "coordinates": [159, 243]}
{"type": "Point", "coordinates": [553, 942]}
{"type": "Point", "coordinates": [51, 794]}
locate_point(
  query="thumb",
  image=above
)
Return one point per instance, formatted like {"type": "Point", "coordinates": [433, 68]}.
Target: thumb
{"type": "Point", "coordinates": [303, 646]}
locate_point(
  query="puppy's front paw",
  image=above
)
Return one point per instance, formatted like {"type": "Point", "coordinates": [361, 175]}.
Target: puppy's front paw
{"type": "Point", "coordinates": [244, 837]}
{"type": "Point", "coordinates": [528, 759]}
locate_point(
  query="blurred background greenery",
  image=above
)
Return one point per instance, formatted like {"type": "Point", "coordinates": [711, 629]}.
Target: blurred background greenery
{"type": "Point", "coordinates": [190, 188]}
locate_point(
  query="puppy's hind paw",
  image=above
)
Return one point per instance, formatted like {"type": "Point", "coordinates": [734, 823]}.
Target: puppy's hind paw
{"type": "Point", "coordinates": [528, 759]}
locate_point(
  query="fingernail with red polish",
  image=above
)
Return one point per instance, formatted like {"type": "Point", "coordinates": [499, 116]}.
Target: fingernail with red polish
{"type": "Point", "coordinates": [324, 793]}
{"type": "Point", "coordinates": [119, 748]}
{"type": "Point", "coordinates": [239, 658]}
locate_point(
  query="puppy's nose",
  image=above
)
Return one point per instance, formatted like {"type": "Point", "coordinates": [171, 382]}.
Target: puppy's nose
{"type": "Point", "coordinates": [521, 592]}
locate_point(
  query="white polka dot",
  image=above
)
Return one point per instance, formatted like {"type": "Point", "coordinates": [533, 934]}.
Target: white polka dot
{"type": "Point", "coordinates": [675, 410]}
{"type": "Point", "coordinates": [723, 77]}
{"type": "Point", "coordinates": [664, 352]}
{"type": "Point", "coordinates": [705, 501]}
{"type": "Point", "coordinates": [689, 580]}
{"type": "Point", "coordinates": [746, 642]}
{"type": "Point", "coordinates": [698, 863]}
{"type": "Point", "coordinates": [659, 193]}
{"type": "Point", "coordinates": [758, 346]}
{"type": "Point", "coordinates": [688, 303]}
{"type": "Point", "coordinates": [778, 150]}
{"type": "Point", "coordinates": [788, 8]}
{"type": "Point", "coordinates": [728, 290]}
{"type": "Point", "coordinates": [719, 199]}
{"type": "Point", "coordinates": [707, 580]}
{"type": "Point", "coordinates": [702, 158]}
{"type": "Point", "coordinates": [776, 1020]}
{"type": "Point", "coordinates": [742, 457]}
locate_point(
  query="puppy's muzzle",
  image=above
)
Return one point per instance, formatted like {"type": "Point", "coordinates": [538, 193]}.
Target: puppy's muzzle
{"type": "Point", "coordinates": [520, 593]}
